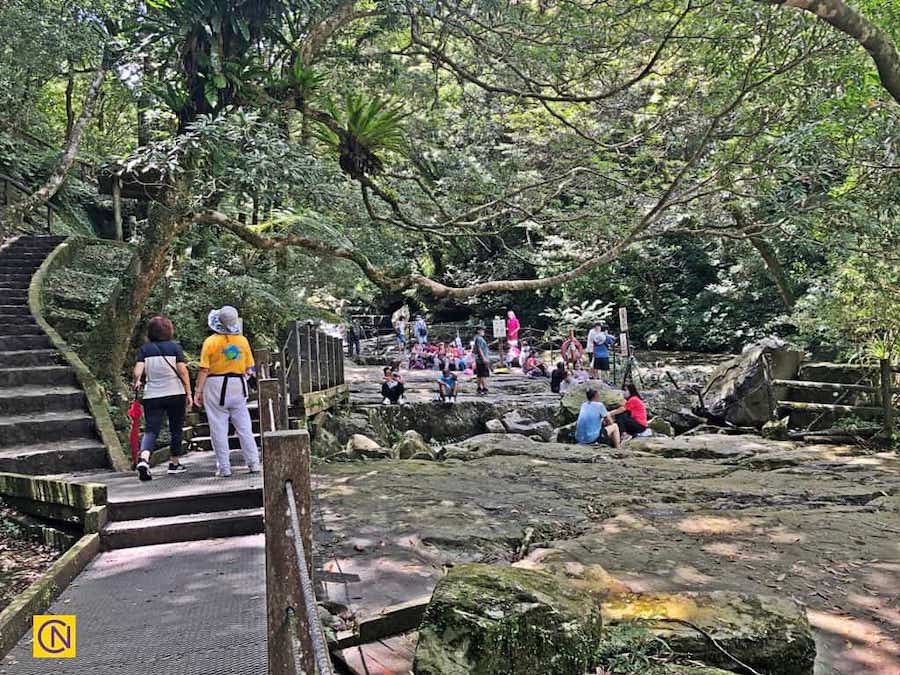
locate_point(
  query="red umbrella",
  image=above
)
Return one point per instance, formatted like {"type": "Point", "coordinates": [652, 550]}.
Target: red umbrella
{"type": "Point", "coordinates": [135, 412]}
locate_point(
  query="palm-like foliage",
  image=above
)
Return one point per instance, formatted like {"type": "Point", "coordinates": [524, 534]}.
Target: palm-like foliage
{"type": "Point", "coordinates": [370, 125]}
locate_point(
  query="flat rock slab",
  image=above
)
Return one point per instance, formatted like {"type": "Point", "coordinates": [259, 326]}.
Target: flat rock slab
{"type": "Point", "coordinates": [653, 523]}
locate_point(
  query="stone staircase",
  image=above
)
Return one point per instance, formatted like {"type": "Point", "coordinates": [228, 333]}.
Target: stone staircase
{"type": "Point", "coordinates": [45, 426]}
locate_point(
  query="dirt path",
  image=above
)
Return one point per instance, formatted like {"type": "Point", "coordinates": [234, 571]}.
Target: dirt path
{"type": "Point", "coordinates": [819, 524]}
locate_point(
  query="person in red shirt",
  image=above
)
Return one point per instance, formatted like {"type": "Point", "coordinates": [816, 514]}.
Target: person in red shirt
{"type": "Point", "coordinates": [631, 417]}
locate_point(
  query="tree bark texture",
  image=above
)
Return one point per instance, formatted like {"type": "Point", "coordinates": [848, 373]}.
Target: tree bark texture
{"type": "Point", "coordinates": [58, 176]}
{"type": "Point", "coordinates": [851, 22]}
{"type": "Point", "coordinates": [776, 271]}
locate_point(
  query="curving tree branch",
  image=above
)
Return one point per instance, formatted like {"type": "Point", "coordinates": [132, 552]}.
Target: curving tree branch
{"type": "Point", "coordinates": [851, 22]}
{"type": "Point", "coordinates": [58, 175]}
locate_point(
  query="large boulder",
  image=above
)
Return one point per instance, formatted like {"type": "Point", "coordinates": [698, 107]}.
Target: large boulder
{"type": "Point", "coordinates": [516, 423]}
{"type": "Point", "coordinates": [411, 445]}
{"type": "Point", "coordinates": [736, 393]}
{"type": "Point", "coordinates": [572, 399]}
{"type": "Point", "coordinates": [494, 427]}
{"type": "Point", "coordinates": [490, 620]}
{"type": "Point", "coordinates": [674, 406]}
{"type": "Point", "coordinates": [770, 634]}
{"type": "Point", "coordinates": [661, 426]}
{"type": "Point", "coordinates": [363, 447]}
{"type": "Point", "coordinates": [325, 444]}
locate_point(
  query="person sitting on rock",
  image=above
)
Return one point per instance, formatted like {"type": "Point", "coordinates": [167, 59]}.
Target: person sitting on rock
{"type": "Point", "coordinates": [441, 357]}
{"type": "Point", "coordinates": [557, 376]}
{"type": "Point", "coordinates": [589, 428]}
{"type": "Point", "coordinates": [632, 416]}
{"type": "Point", "coordinates": [533, 367]}
{"type": "Point", "coordinates": [447, 386]}
{"type": "Point", "coordinates": [392, 387]}
{"type": "Point", "coordinates": [579, 374]}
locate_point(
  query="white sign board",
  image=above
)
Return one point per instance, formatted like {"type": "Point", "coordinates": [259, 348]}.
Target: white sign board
{"type": "Point", "coordinates": [499, 327]}
{"type": "Point", "coordinates": [623, 344]}
{"type": "Point", "coordinates": [623, 319]}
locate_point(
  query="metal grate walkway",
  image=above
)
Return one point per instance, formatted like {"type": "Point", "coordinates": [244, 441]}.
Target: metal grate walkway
{"type": "Point", "coordinates": [205, 614]}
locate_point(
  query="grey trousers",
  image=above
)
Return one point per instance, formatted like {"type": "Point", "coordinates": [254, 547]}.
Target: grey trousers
{"type": "Point", "coordinates": [234, 410]}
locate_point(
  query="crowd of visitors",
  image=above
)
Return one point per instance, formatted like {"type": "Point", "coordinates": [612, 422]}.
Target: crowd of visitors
{"type": "Point", "coordinates": [226, 364]}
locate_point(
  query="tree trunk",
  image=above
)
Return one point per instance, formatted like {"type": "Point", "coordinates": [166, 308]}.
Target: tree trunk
{"type": "Point", "coordinates": [70, 110]}
{"type": "Point", "coordinates": [58, 176]}
{"type": "Point", "coordinates": [164, 224]}
{"type": "Point", "coordinates": [851, 22]}
{"type": "Point", "coordinates": [776, 270]}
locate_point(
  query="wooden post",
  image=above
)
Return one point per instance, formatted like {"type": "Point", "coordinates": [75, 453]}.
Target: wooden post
{"type": "Point", "coordinates": [262, 358]}
{"type": "Point", "coordinates": [295, 356]}
{"type": "Point", "coordinates": [286, 458]}
{"type": "Point", "coordinates": [307, 356]}
{"type": "Point", "coordinates": [317, 351]}
{"type": "Point", "coordinates": [772, 399]}
{"type": "Point", "coordinates": [284, 397]}
{"type": "Point", "coordinates": [886, 399]}
{"type": "Point", "coordinates": [269, 408]}
{"type": "Point", "coordinates": [117, 207]}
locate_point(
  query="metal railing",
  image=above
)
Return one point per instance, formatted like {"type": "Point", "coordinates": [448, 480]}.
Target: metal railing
{"type": "Point", "coordinates": [314, 627]}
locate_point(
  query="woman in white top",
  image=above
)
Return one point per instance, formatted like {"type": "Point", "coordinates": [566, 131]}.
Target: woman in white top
{"type": "Point", "coordinates": [167, 392]}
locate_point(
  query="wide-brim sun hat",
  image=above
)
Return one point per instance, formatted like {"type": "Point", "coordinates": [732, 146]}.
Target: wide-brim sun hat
{"type": "Point", "coordinates": [224, 321]}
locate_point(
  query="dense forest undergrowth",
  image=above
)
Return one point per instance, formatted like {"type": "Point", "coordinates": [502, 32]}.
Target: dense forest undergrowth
{"type": "Point", "coordinates": [724, 170]}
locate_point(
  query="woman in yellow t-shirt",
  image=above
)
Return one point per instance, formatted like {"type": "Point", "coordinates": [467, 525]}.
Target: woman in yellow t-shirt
{"type": "Point", "coordinates": [226, 361]}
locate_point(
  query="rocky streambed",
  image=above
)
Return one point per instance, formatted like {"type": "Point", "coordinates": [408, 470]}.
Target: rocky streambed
{"type": "Point", "coordinates": [818, 526]}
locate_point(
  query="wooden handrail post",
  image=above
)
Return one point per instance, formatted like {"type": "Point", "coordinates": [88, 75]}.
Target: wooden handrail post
{"type": "Point", "coordinates": [886, 398]}
{"type": "Point", "coordinates": [263, 358]}
{"type": "Point", "coordinates": [269, 408]}
{"type": "Point", "coordinates": [286, 458]}
{"type": "Point", "coordinates": [284, 390]}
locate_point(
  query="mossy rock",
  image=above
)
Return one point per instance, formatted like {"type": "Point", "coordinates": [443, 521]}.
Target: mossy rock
{"type": "Point", "coordinates": [572, 399]}
{"type": "Point", "coordinates": [489, 620]}
{"type": "Point", "coordinates": [768, 633]}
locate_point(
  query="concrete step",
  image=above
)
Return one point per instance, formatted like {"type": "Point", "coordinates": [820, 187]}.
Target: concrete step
{"type": "Point", "coordinates": [14, 310]}
{"type": "Point", "coordinates": [184, 504]}
{"type": "Point", "coordinates": [52, 426]}
{"type": "Point", "coordinates": [204, 443]}
{"type": "Point", "coordinates": [29, 265]}
{"type": "Point", "coordinates": [17, 278]}
{"type": "Point", "coordinates": [31, 399]}
{"type": "Point", "coordinates": [29, 358]}
{"type": "Point", "coordinates": [188, 527]}
{"type": "Point", "coordinates": [202, 429]}
{"type": "Point", "coordinates": [24, 328]}
{"type": "Point", "coordinates": [52, 457]}
{"type": "Point", "coordinates": [24, 342]}
{"type": "Point", "coordinates": [56, 376]}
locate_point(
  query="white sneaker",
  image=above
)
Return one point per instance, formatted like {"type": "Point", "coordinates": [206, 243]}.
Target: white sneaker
{"type": "Point", "coordinates": [221, 474]}
{"type": "Point", "coordinates": [402, 400]}
{"type": "Point", "coordinates": [143, 469]}
{"type": "Point", "coordinates": [385, 401]}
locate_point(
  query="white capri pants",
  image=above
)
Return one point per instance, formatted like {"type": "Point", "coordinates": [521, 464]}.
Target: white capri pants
{"type": "Point", "coordinates": [230, 407]}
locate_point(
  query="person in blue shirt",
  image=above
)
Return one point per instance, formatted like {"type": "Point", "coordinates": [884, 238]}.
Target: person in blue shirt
{"type": "Point", "coordinates": [589, 428]}
{"type": "Point", "coordinates": [598, 343]}
{"type": "Point", "coordinates": [447, 385]}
